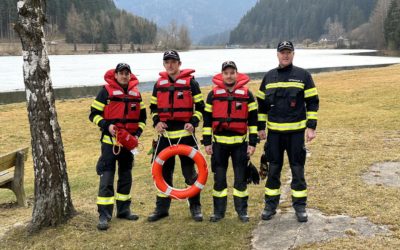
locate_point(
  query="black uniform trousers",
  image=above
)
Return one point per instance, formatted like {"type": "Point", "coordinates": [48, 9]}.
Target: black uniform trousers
{"type": "Point", "coordinates": [187, 165]}
{"type": "Point", "coordinates": [106, 167]}
{"type": "Point", "coordinates": [275, 147]}
{"type": "Point", "coordinates": [219, 165]}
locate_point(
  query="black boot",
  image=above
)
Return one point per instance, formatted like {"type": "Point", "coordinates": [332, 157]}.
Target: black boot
{"type": "Point", "coordinates": [161, 211]}
{"type": "Point", "coordinates": [268, 213]}
{"type": "Point", "coordinates": [195, 208]}
{"type": "Point", "coordinates": [301, 214]}
{"type": "Point", "coordinates": [105, 214]}
{"type": "Point", "coordinates": [241, 208]}
{"type": "Point", "coordinates": [219, 208]}
{"type": "Point", "coordinates": [103, 223]}
{"type": "Point", "coordinates": [271, 203]}
{"type": "Point", "coordinates": [299, 205]}
{"type": "Point", "coordinates": [124, 211]}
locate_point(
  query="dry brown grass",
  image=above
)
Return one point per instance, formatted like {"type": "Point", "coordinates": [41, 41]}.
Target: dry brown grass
{"type": "Point", "coordinates": [359, 125]}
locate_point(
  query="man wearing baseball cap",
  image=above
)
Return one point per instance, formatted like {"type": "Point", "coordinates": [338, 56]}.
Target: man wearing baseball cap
{"type": "Point", "coordinates": [230, 113]}
{"type": "Point", "coordinates": [288, 102]}
{"type": "Point", "coordinates": [177, 107]}
{"type": "Point", "coordinates": [117, 100]}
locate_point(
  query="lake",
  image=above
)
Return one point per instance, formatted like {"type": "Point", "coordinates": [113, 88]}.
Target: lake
{"type": "Point", "coordinates": [88, 70]}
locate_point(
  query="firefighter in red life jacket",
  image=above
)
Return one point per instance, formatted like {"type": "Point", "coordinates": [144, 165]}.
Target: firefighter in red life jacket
{"type": "Point", "coordinates": [230, 112]}
{"type": "Point", "coordinates": [118, 105]}
{"type": "Point", "coordinates": [177, 106]}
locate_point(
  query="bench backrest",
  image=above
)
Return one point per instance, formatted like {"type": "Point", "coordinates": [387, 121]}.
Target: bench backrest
{"type": "Point", "coordinates": [8, 160]}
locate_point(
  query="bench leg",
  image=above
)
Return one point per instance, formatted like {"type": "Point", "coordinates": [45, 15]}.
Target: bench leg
{"type": "Point", "coordinates": [17, 185]}
{"type": "Point", "coordinates": [20, 194]}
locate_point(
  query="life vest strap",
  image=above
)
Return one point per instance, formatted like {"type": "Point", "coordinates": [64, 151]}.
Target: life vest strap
{"type": "Point", "coordinates": [125, 99]}
{"type": "Point", "coordinates": [174, 110]}
{"type": "Point", "coordinates": [229, 119]}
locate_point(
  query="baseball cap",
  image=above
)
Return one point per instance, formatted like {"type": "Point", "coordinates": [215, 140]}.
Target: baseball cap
{"type": "Point", "coordinates": [171, 54]}
{"type": "Point", "coordinates": [285, 45]}
{"type": "Point", "coordinates": [122, 66]}
{"type": "Point", "coordinates": [229, 64]}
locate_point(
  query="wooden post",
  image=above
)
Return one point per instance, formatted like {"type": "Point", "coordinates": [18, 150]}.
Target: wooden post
{"type": "Point", "coordinates": [18, 182]}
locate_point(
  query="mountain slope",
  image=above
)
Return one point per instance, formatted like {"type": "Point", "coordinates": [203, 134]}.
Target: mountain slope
{"type": "Point", "coordinates": [203, 17]}
{"type": "Point", "coordinates": [273, 20]}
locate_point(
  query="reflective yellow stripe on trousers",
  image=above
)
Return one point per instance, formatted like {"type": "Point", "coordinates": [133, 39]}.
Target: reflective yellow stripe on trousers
{"type": "Point", "coordinates": [122, 197]}
{"type": "Point", "coordinates": [162, 195]}
{"type": "Point", "coordinates": [220, 194]}
{"type": "Point", "coordinates": [299, 194]}
{"type": "Point", "coordinates": [240, 194]}
{"type": "Point", "coordinates": [105, 200]}
{"type": "Point", "coordinates": [272, 192]}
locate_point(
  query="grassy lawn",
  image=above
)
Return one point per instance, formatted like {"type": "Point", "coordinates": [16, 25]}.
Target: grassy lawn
{"type": "Point", "coordinates": [359, 124]}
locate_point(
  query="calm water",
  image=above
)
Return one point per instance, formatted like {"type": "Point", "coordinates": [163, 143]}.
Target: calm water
{"type": "Point", "coordinates": [88, 70]}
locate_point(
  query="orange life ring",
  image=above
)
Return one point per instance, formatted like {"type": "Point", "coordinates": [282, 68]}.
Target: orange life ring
{"type": "Point", "coordinates": [171, 151]}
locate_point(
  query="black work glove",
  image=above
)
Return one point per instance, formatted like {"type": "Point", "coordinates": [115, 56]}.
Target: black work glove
{"type": "Point", "coordinates": [264, 168]}
{"type": "Point", "coordinates": [252, 174]}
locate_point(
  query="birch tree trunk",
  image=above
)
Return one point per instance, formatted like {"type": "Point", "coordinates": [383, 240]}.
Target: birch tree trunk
{"type": "Point", "coordinates": [53, 204]}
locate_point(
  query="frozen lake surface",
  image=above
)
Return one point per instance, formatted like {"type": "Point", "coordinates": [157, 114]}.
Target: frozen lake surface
{"type": "Point", "coordinates": [88, 70]}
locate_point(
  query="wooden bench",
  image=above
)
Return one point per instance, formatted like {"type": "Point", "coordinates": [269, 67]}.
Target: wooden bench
{"type": "Point", "coordinates": [12, 173]}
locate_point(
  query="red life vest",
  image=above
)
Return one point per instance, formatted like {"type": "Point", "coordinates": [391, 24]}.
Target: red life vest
{"type": "Point", "coordinates": [174, 100]}
{"type": "Point", "coordinates": [230, 109]}
{"type": "Point", "coordinates": [122, 109]}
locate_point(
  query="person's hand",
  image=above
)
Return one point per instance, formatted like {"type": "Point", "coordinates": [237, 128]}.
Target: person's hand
{"type": "Point", "coordinates": [262, 135]}
{"type": "Point", "coordinates": [310, 134]}
{"type": "Point", "coordinates": [160, 127]}
{"type": "Point", "coordinates": [250, 150]}
{"type": "Point", "coordinates": [111, 129]}
{"type": "Point", "coordinates": [189, 127]}
{"type": "Point", "coordinates": [209, 150]}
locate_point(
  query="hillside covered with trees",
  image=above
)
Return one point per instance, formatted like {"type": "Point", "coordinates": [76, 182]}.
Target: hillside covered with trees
{"type": "Point", "coordinates": [392, 25]}
{"type": "Point", "coordinates": [273, 20]}
{"type": "Point", "coordinates": [362, 23]}
{"type": "Point", "coordinates": [89, 21]}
